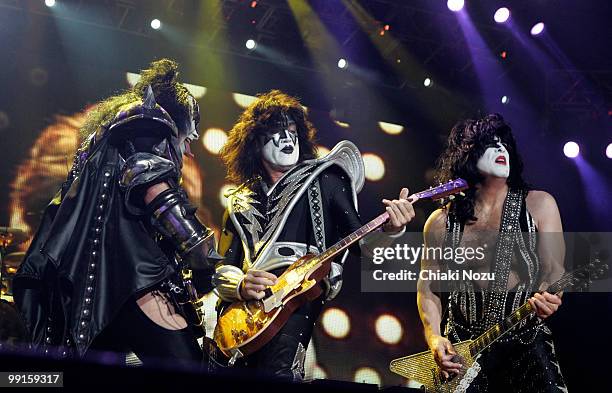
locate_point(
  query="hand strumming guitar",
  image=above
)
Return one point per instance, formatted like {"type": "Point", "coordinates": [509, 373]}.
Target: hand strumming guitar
{"type": "Point", "coordinates": [443, 353]}
{"type": "Point", "coordinates": [254, 284]}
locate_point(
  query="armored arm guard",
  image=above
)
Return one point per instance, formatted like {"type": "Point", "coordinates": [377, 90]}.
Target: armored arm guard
{"type": "Point", "coordinates": [174, 218]}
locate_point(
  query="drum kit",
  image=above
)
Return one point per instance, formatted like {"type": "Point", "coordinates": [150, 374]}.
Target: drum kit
{"type": "Point", "coordinates": [9, 263]}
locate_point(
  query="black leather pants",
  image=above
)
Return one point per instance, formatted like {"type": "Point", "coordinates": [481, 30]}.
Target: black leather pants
{"type": "Point", "coordinates": [133, 331]}
{"type": "Point", "coordinates": [283, 357]}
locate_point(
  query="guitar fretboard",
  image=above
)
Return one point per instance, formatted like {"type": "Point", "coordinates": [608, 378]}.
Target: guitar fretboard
{"type": "Point", "coordinates": [495, 332]}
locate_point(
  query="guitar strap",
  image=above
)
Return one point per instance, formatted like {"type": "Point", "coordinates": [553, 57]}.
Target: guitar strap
{"type": "Point", "coordinates": [316, 214]}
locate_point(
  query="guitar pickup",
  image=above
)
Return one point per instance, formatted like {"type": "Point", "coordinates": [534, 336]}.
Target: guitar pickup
{"type": "Point", "coordinates": [272, 300]}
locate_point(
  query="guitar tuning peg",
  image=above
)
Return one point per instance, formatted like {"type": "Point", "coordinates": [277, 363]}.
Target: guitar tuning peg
{"type": "Point", "coordinates": [462, 193]}
{"type": "Point", "coordinates": [451, 197]}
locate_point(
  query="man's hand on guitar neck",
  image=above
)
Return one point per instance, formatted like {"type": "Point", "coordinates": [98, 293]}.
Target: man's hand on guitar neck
{"type": "Point", "coordinates": [254, 284]}
{"type": "Point", "coordinates": [545, 304]}
{"type": "Point", "coordinates": [444, 354]}
{"type": "Point", "coordinates": [400, 212]}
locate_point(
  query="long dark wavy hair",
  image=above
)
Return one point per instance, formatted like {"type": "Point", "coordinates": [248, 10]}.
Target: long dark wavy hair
{"type": "Point", "coordinates": [242, 152]}
{"type": "Point", "coordinates": [466, 143]}
{"type": "Point", "coordinates": [169, 93]}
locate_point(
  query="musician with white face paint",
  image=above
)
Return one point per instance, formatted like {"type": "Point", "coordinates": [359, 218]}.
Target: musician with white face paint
{"type": "Point", "coordinates": [499, 202]}
{"type": "Point", "coordinates": [289, 203]}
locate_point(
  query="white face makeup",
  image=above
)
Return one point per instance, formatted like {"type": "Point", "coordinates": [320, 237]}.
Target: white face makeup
{"type": "Point", "coordinates": [281, 149]}
{"type": "Point", "coordinates": [495, 161]}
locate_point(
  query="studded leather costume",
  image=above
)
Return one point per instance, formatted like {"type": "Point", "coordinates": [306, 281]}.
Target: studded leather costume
{"type": "Point", "coordinates": [98, 246]}
{"type": "Point", "coordinates": [524, 360]}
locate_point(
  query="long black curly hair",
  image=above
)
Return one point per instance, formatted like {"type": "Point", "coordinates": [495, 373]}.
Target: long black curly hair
{"type": "Point", "coordinates": [161, 75]}
{"type": "Point", "coordinates": [242, 152]}
{"type": "Point", "coordinates": [466, 143]}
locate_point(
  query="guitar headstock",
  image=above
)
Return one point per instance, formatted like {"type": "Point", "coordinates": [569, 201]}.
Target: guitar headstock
{"type": "Point", "coordinates": [580, 279]}
{"type": "Point", "coordinates": [450, 188]}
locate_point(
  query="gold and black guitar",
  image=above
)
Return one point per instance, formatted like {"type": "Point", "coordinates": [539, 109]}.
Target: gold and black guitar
{"type": "Point", "coordinates": [244, 327]}
{"type": "Point", "coordinates": [422, 368]}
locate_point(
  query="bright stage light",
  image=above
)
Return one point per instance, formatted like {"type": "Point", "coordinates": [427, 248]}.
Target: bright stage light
{"type": "Point", "coordinates": [367, 375]}
{"type": "Point", "coordinates": [427, 82]}
{"type": "Point", "coordinates": [250, 44]}
{"type": "Point", "coordinates": [374, 167]}
{"type": "Point", "coordinates": [214, 139]}
{"type": "Point", "coordinates": [389, 329]}
{"type": "Point", "coordinates": [571, 149]}
{"type": "Point", "coordinates": [318, 372]}
{"type": "Point", "coordinates": [609, 151]}
{"type": "Point", "coordinates": [501, 15]}
{"type": "Point", "coordinates": [155, 24]}
{"type": "Point", "coordinates": [537, 28]}
{"type": "Point", "coordinates": [505, 100]}
{"type": "Point", "coordinates": [336, 323]}
{"type": "Point", "coordinates": [49, 3]}
{"type": "Point", "coordinates": [455, 5]}
{"type": "Point", "coordinates": [390, 128]}
{"type": "Point", "coordinates": [322, 151]}
{"type": "Point", "coordinates": [342, 63]}
{"type": "Point", "coordinates": [223, 191]}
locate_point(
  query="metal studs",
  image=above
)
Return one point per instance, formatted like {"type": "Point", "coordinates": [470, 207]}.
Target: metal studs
{"type": "Point", "coordinates": [100, 207]}
{"type": "Point", "coordinates": [89, 289]}
{"type": "Point", "coordinates": [98, 230]}
{"type": "Point", "coordinates": [83, 324]}
{"type": "Point", "coordinates": [107, 174]}
{"type": "Point", "coordinates": [48, 340]}
{"type": "Point", "coordinates": [105, 184]}
{"type": "Point", "coordinates": [81, 337]}
{"type": "Point", "coordinates": [92, 265]}
{"type": "Point", "coordinates": [49, 329]}
{"type": "Point", "coordinates": [87, 300]}
{"type": "Point", "coordinates": [86, 312]}
{"type": "Point", "coordinates": [94, 254]}
{"type": "Point", "coordinates": [91, 277]}
{"type": "Point", "coordinates": [103, 196]}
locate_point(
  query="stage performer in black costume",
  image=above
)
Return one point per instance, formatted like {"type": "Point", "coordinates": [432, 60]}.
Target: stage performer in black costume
{"type": "Point", "coordinates": [105, 269]}
{"type": "Point", "coordinates": [288, 204]}
{"type": "Point", "coordinates": [525, 225]}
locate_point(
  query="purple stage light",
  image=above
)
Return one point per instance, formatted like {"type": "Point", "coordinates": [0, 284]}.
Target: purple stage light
{"type": "Point", "coordinates": [537, 28]}
{"type": "Point", "coordinates": [501, 15]}
{"type": "Point", "coordinates": [455, 5]}
{"type": "Point", "coordinates": [571, 149]}
{"type": "Point", "coordinates": [609, 151]}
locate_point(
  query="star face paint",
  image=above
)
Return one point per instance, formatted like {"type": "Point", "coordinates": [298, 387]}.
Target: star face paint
{"type": "Point", "coordinates": [281, 148]}
{"type": "Point", "coordinates": [495, 161]}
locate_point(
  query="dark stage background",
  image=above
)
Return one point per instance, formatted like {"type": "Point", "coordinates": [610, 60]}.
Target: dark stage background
{"type": "Point", "coordinates": [55, 63]}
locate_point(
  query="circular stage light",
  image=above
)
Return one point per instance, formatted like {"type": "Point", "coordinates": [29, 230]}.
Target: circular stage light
{"type": "Point", "coordinates": [367, 375]}
{"type": "Point", "coordinates": [427, 82]}
{"type": "Point", "coordinates": [155, 24]}
{"type": "Point", "coordinates": [49, 3]}
{"type": "Point", "coordinates": [224, 189]}
{"type": "Point", "coordinates": [537, 28]}
{"type": "Point", "coordinates": [501, 15]}
{"type": "Point", "coordinates": [455, 5]}
{"type": "Point", "coordinates": [571, 149]}
{"type": "Point", "coordinates": [336, 323]}
{"type": "Point", "coordinates": [322, 151]}
{"type": "Point", "coordinates": [342, 63]}
{"type": "Point", "coordinates": [374, 167]}
{"type": "Point", "coordinates": [391, 128]}
{"type": "Point", "coordinates": [389, 329]}
{"type": "Point", "coordinates": [505, 100]}
{"type": "Point", "coordinates": [609, 151]}
{"type": "Point", "coordinates": [214, 139]}
{"type": "Point", "coordinates": [250, 44]}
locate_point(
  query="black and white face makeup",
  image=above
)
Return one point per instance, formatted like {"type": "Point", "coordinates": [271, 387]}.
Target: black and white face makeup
{"type": "Point", "coordinates": [495, 161]}
{"type": "Point", "coordinates": [281, 148]}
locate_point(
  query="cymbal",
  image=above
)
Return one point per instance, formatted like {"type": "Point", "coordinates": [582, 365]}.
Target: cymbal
{"type": "Point", "coordinates": [13, 260]}
{"type": "Point", "coordinates": [10, 236]}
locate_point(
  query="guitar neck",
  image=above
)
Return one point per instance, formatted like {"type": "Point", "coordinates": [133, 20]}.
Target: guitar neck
{"type": "Point", "coordinates": [517, 316]}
